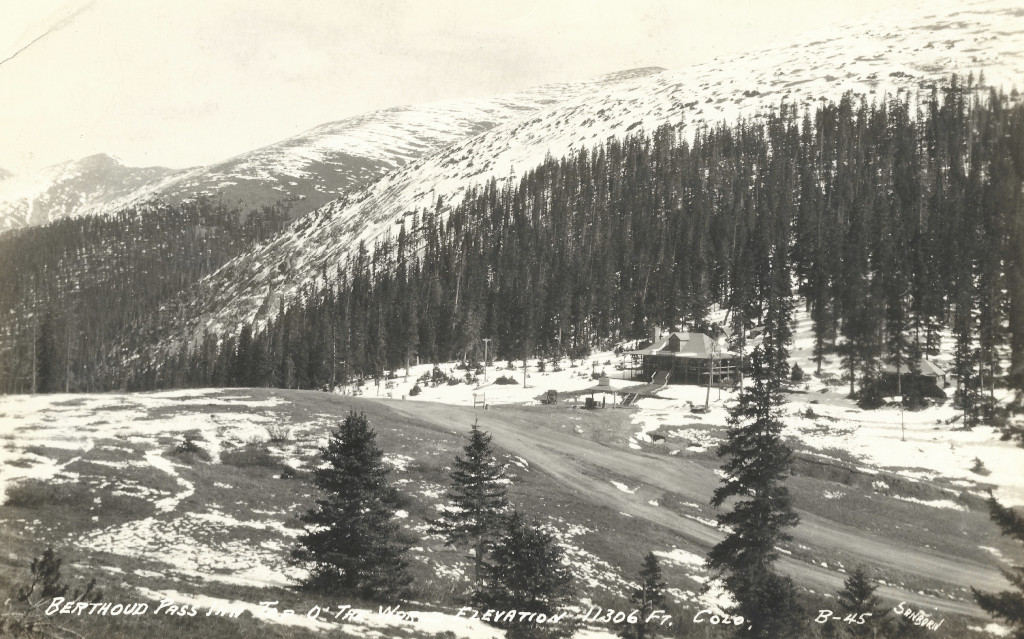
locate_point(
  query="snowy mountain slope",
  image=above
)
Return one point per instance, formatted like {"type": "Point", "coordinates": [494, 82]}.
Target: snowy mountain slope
{"type": "Point", "coordinates": [70, 188]}
{"type": "Point", "coordinates": [899, 52]}
{"type": "Point", "coordinates": [307, 170]}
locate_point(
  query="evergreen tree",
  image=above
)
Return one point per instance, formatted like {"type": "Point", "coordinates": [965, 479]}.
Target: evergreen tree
{"type": "Point", "coordinates": [968, 394]}
{"type": "Point", "coordinates": [241, 364]}
{"type": "Point", "coordinates": [913, 396]}
{"type": "Point", "coordinates": [857, 599]}
{"type": "Point", "coordinates": [821, 316]}
{"type": "Point", "coordinates": [754, 474]}
{"type": "Point", "coordinates": [848, 353]}
{"type": "Point", "coordinates": [478, 500]}
{"type": "Point", "coordinates": [778, 313]}
{"type": "Point", "coordinates": [646, 599]}
{"type": "Point", "coordinates": [1007, 605]}
{"type": "Point", "coordinates": [527, 574]}
{"type": "Point", "coordinates": [351, 545]}
{"type": "Point", "coordinates": [46, 372]}
{"type": "Point", "coordinates": [897, 342]}
{"type": "Point", "coordinates": [24, 616]}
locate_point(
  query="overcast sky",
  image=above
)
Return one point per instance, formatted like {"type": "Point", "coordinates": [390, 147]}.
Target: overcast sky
{"type": "Point", "coordinates": [186, 82]}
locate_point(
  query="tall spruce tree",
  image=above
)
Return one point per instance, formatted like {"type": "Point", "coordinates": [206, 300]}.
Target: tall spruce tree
{"type": "Point", "coordinates": [527, 574]}
{"type": "Point", "coordinates": [896, 328]}
{"type": "Point", "coordinates": [478, 500]}
{"type": "Point", "coordinates": [646, 599]}
{"type": "Point", "coordinates": [777, 317]}
{"type": "Point", "coordinates": [755, 472]}
{"type": "Point", "coordinates": [965, 360]}
{"type": "Point", "coordinates": [351, 545]}
{"type": "Point", "coordinates": [913, 393]}
{"type": "Point", "coordinates": [46, 376]}
{"type": "Point", "coordinates": [1007, 605]}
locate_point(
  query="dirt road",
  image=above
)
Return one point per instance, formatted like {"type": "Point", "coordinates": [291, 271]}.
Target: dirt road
{"type": "Point", "coordinates": [584, 466]}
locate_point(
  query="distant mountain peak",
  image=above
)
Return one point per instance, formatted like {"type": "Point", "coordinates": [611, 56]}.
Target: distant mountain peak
{"type": "Point", "coordinates": [630, 74]}
{"type": "Point", "coordinates": [305, 171]}
{"type": "Point", "coordinates": [100, 159]}
{"type": "Point", "coordinates": [89, 162]}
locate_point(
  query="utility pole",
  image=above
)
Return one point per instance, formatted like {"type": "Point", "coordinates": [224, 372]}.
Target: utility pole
{"type": "Point", "coordinates": [719, 379]}
{"type": "Point", "coordinates": [67, 360]}
{"type": "Point", "coordinates": [711, 374]}
{"type": "Point", "coordinates": [35, 364]}
{"type": "Point", "coordinates": [486, 341]}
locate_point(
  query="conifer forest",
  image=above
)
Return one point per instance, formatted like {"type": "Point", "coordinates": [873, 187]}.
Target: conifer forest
{"type": "Point", "coordinates": [895, 221]}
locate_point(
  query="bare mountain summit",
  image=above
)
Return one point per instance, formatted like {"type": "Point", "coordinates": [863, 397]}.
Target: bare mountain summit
{"type": "Point", "coordinates": [69, 189]}
{"type": "Point", "coordinates": [306, 171]}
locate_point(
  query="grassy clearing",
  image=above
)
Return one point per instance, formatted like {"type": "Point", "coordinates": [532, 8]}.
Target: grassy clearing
{"type": "Point", "coordinates": [248, 456]}
{"type": "Point", "coordinates": [916, 525]}
{"type": "Point", "coordinates": [36, 494]}
{"type": "Point", "coordinates": [187, 449]}
{"type": "Point", "coordinates": [58, 455]}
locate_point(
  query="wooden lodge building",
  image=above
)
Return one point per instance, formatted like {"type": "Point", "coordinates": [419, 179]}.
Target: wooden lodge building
{"type": "Point", "coordinates": [931, 380]}
{"type": "Point", "coordinates": [684, 358]}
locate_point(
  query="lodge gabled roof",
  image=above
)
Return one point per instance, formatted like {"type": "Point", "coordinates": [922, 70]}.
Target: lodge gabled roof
{"type": "Point", "coordinates": [691, 345]}
{"type": "Point", "coordinates": [928, 369]}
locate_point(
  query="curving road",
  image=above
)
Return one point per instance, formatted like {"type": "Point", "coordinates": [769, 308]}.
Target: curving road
{"type": "Point", "coordinates": [579, 464]}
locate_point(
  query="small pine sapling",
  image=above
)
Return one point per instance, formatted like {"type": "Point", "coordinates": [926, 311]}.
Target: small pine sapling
{"type": "Point", "coordinates": [858, 606]}
{"type": "Point", "coordinates": [527, 574]}
{"type": "Point", "coordinates": [25, 615]}
{"type": "Point", "coordinates": [648, 601]}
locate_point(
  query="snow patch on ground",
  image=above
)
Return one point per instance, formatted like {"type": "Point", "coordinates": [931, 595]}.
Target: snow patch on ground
{"type": "Point", "coordinates": [934, 503]}
{"type": "Point", "coordinates": [570, 379]}
{"type": "Point", "coordinates": [399, 462]}
{"type": "Point", "coordinates": [715, 596]}
{"type": "Point", "coordinates": [209, 546]}
{"type": "Point", "coordinates": [586, 566]}
{"type": "Point", "coordinates": [623, 487]}
{"type": "Point", "coordinates": [995, 629]}
{"type": "Point", "coordinates": [680, 556]}
{"type": "Point", "coordinates": [158, 461]}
